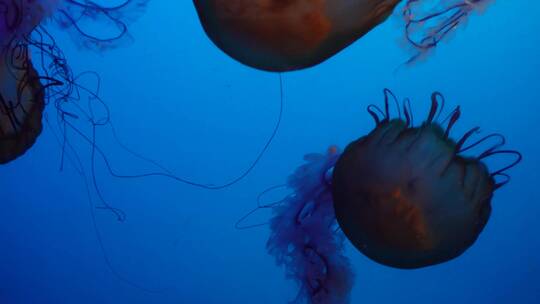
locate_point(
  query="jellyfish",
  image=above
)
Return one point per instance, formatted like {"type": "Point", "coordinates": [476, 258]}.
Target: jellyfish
{"type": "Point", "coordinates": [21, 92]}
{"type": "Point", "coordinates": [286, 35]}
{"type": "Point", "coordinates": [404, 195]}
{"type": "Point", "coordinates": [407, 197]}
{"type": "Point", "coordinates": [26, 88]}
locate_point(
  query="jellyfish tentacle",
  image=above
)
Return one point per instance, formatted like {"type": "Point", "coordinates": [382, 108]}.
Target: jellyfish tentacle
{"type": "Point", "coordinates": [120, 215]}
{"type": "Point", "coordinates": [304, 238]}
{"type": "Point", "coordinates": [454, 117]}
{"type": "Point", "coordinates": [72, 22]}
{"type": "Point", "coordinates": [316, 284]}
{"type": "Point", "coordinates": [305, 212]}
{"type": "Point", "coordinates": [446, 20]}
{"type": "Point", "coordinates": [439, 96]}
{"type": "Point", "coordinates": [447, 117]}
{"type": "Point", "coordinates": [407, 111]}
{"type": "Point", "coordinates": [434, 107]}
{"type": "Point", "coordinates": [167, 173]}
{"type": "Point", "coordinates": [465, 137]}
{"type": "Point", "coordinates": [374, 113]}
{"type": "Point", "coordinates": [235, 180]}
{"type": "Point", "coordinates": [408, 102]}
{"type": "Point", "coordinates": [272, 203]}
{"type": "Point", "coordinates": [407, 117]}
{"type": "Point", "coordinates": [502, 171]}
{"type": "Point", "coordinates": [517, 160]}
{"type": "Point", "coordinates": [73, 12]}
{"type": "Point", "coordinates": [239, 223]}
{"type": "Point", "coordinates": [260, 205]}
{"type": "Point", "coordinates": [387, 94]}
{"type": "Point", "coordinates": [500, 137]}
{"type": "Point", "coordinates": [500, 184]}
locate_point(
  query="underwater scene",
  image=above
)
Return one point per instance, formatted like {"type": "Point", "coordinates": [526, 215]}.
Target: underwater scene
{"type": "Point", "coordinates": [269, 151]}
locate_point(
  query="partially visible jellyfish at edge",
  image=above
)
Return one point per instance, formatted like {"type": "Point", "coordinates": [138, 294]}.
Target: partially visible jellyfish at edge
{"type": "Point", "coordinates": [404, 195]}
{"type": "Point", "coordinates": [35, 75]}
{"type": "Point", "coordinates": [33, 70]}
{"type": "Point", "coordinates": [22, 97]}
{"type": "Point", "coordinates": [280, 36]}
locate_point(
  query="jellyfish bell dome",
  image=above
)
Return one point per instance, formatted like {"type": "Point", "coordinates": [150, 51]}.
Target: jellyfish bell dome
{"type": "Point", "coordinates": [285, 35]}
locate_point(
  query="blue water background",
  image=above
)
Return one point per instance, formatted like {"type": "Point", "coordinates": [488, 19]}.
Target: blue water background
{"type": "Point", "coordinates": [176, 98]}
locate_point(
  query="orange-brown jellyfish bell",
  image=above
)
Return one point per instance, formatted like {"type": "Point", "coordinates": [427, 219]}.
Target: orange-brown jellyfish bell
{"type": "Point", "coordinates": [285, 35]}
{"type": "Point", "coordinates": [21, 107]}
{"type": "Point", "coordinates": [406, 197]}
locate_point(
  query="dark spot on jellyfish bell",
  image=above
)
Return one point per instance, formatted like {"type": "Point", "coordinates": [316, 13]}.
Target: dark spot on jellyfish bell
{"type": "Point", "coordinates": [405, 196]}
{"type": "Point", "coordinates": [285, 35]}
{"type": "Point", "coordinates": [21, 106]}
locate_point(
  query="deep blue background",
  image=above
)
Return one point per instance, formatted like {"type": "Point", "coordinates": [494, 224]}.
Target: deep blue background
{"type": "Point", "coordinates": [176, 98]}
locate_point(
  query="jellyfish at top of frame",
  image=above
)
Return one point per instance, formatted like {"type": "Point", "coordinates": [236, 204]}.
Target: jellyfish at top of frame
{"type": "Point", "coordinates": [404, 195]}
{"type": "Point", "coordinates": [286, 35]}
{"type": "Point", "coordinates": [26, 88]}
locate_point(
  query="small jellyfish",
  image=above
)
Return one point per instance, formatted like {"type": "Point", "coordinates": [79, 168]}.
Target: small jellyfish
{"type": "Point", "coordinates": [286, 35]}
{"type": "Point", "coordinates": [403, 195]}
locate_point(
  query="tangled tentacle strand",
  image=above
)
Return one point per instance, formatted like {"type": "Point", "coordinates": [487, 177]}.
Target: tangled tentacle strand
{"type": "Point", "coordinates": [73, 15]}
{"type": "Point", "coordinates": [424, 31]}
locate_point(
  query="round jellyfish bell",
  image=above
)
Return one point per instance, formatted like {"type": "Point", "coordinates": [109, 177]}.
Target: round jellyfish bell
{"type": "Point", "coordinates": [406, 197]}
{"type": "Point", "coordinates": [284, 35]}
